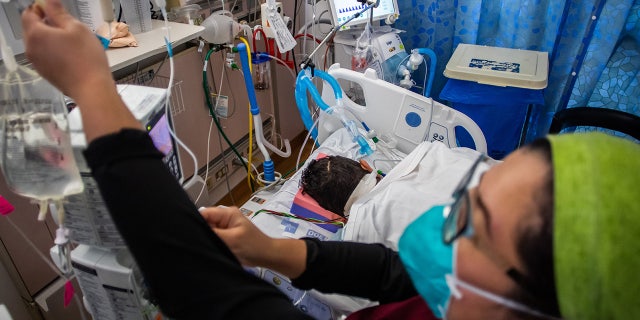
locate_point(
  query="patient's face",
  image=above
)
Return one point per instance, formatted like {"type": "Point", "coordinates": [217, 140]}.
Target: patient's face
{"type": "Point", "coordinates": [501, 202]}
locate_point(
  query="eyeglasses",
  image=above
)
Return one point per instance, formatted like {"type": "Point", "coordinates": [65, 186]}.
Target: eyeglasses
{"type": "Point", "coordinates": [458, 213]}
{"type": "Point", "coordinates": [459, 222]}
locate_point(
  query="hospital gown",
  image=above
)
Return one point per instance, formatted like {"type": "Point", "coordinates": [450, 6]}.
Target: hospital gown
{"type": "Point", "coordinates": [190, 272]}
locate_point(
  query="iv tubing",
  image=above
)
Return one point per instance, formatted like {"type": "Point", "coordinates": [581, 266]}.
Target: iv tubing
{"type": "Point", "coordinates": [7, 54]}
{"type": "Point", "coordinates": [55, 269]}
{"type": "Point", "coordinates": [207, 96]}
{"type": "Point", "coordinates": [167, 41]}
{"type": "Point", "coordinates": [278, 60]}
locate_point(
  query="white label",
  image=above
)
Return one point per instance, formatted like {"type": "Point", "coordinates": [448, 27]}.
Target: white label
{"type": "Point", "coordinates": [123, 300]}
{"type": "Point", "coordinates": [283, 37]}
{"type": "Point", "coordinates": [88, 219]}
{"type": "Point", "coordinates": [93, 292]}
{"type": "Point", "coordinates": [89, 12]}
{"type": "Point", "coordinates": [221, 105]}
{"type": "Point", "coordinates": [391, 46]}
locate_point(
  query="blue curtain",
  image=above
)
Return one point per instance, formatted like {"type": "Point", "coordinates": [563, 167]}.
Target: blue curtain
{"type": "Point", "coordinates": [592, 44]}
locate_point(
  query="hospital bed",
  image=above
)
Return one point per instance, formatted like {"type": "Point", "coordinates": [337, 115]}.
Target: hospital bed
{"type": "Point", "coordinates": [419, 174]}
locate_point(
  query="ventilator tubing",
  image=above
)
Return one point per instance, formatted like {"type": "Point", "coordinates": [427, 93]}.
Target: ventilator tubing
{"type": "Point", "coordinates": [432, 67]}
{"type": "Point", "coordinates": [304, 84]}
{"type": "Point", "coordinates": [262, 143]}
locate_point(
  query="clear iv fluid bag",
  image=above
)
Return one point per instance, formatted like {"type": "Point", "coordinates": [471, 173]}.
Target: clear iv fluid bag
{"type": "Point", "coordinates": [37, 159]}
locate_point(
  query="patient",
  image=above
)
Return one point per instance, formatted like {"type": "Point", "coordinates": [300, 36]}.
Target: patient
{"type": "Point", "coordinates": [331, 181]}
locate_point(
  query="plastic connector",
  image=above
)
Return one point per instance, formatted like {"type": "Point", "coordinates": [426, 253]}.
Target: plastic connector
{"type": "Point", "coordinates": [61, 236]}
{"type": "Point", "coordinates": [391, 19]}
{"type": "Point", "coordinates": [364, 146]}
{"type": "Point", "coordinates": [269, 173]}
{"type": "Point", "coordinates": [415, 60]}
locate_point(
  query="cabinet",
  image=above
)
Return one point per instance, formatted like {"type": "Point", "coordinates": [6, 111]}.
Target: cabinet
{"type": "Point", "coordinates": [33, 290]}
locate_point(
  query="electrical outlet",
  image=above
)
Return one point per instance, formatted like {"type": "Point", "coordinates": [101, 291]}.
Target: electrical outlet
{"type": "Point", "coordinates": [210, 184]}
{"type": "Point", "coordinates": [221, 173]}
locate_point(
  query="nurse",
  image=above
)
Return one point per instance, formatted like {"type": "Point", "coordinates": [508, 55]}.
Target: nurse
{"type": "Point", "coordinates": [549, 233]}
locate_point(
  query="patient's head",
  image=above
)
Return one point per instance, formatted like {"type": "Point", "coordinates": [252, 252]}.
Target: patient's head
{"type": "Point", "coordinates": [331, 180]}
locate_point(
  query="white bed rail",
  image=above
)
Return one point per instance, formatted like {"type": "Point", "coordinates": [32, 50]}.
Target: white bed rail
{"type": "Point", "coordinates": [390, 110]}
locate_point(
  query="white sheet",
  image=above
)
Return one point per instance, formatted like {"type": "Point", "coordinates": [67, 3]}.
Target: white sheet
{"type": "Point", "coordinates": [426, 177]}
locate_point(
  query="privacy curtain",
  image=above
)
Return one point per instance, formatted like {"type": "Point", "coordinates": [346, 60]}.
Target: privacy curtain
{"type": "Point", "coordinates": [592, 44]}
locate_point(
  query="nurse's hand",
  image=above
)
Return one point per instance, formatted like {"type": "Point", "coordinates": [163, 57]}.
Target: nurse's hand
{"type": "Point", "coordinates": [252, 247]}
{"type": "Point", "coordinates": [64, 51]}
{"type": "Point", "coordinates": [242, 237]}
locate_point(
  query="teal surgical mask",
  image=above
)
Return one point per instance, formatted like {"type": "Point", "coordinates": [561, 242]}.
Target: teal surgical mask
{"type": "Point", "coordinates": [427, 259]}
{"type": "Point", "coordinates": [431, 264]}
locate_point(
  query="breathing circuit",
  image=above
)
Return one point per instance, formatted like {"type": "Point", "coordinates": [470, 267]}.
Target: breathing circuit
{"type": "Point", "coordinates": [263, 144]}
{"type": "Point", "coordinates": [304, 85]}
{"type": "Point", "coordinates": [413, 61]}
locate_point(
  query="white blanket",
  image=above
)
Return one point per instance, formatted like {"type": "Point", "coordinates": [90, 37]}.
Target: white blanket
{"type": "Point", "coordinates": [426, 177]}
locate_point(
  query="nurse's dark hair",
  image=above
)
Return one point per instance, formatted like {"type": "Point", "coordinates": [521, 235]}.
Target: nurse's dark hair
{"type": "Point", "coordinates": [535, 244]}
{"type": "Point", "coordinates": [331, 180]}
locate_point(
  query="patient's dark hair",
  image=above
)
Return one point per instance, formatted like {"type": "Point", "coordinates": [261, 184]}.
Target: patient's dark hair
{"type": "Point", "coordinates": [535, 245]}
{"type": "Point", "coordinates": [331, 180]}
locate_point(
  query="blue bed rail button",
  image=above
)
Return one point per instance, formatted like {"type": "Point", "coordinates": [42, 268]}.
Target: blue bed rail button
{"type": "Point", "coordinates": [413, 119]}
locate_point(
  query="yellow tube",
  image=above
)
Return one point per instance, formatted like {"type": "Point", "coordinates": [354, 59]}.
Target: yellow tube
{"type": "Point", "coordinates": [250, 155]}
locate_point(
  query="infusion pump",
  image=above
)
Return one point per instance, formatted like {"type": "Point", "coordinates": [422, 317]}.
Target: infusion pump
{"type": "Point", "coordinates": [87, 217]}
{"type": "Point", "coordinates": [111, 284]}
{"type": "Point", "coordinates": [107, 275]}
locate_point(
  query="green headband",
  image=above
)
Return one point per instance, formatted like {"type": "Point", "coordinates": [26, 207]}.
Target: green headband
{"type": "Point", "coordinates": [597, 226]}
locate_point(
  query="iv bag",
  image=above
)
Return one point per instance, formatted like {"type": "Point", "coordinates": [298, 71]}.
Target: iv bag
{"type": "Point", "coordinates": [362, 54]}
{"type": "Point", "coordinates": [37, 159]}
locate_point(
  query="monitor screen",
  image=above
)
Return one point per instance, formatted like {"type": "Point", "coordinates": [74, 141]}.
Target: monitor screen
{"type": "Point", "coordinates": [158, 129]}
{"type": "Point", "coordinates": [342, 10]}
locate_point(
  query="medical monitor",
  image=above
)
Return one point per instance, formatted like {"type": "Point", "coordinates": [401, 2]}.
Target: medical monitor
{"type": "Point", "coordinates": [158, 128]}
{"type": "Point", "coordinates": [342, 10]}
{"type": "Point", "coordinates": [148, 106]}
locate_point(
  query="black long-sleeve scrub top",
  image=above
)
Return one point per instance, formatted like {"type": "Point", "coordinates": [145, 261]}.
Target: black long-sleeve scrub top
{"type": "Point", "coordinates": [190, 271]}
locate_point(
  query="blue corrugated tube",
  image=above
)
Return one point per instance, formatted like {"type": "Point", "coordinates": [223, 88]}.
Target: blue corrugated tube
{"type": "Point", "coordinates": [248, 81]}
